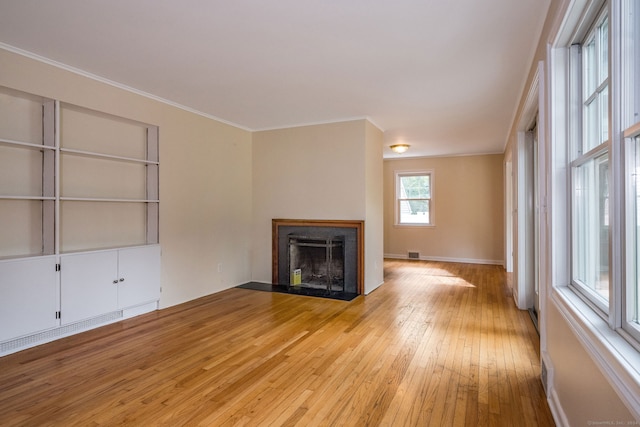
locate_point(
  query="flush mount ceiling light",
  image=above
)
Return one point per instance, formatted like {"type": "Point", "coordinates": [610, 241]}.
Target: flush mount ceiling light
{"type": "Point", "coordinates": [399, 148]}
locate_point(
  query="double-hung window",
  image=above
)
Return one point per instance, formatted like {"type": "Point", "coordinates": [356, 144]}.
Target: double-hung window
{"type": "Point", "coordinates": [414, 198]}
{"type": "Point", "coordinates": [604, 162]}
{"type": "Point", "coordinates": [590, 166]}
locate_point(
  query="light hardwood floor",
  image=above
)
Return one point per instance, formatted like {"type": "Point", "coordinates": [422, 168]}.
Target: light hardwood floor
{"type": "Point", "coordinates": [439, 344]}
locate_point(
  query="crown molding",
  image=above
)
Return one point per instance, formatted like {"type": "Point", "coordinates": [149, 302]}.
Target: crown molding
{"type": "Point", "coordinates": [115, 84]}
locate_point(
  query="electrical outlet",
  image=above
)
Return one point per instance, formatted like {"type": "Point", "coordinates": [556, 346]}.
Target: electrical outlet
{"type": "Point", "coordinates": [219, 267]}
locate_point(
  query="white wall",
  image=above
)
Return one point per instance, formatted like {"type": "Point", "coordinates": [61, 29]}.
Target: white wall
{"type": "Point", "coordinates": [205, 178]}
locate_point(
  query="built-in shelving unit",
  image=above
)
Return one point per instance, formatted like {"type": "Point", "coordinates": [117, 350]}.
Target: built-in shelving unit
{"type": "Point", "coordinates": [77, 186]}
{"type": "Point", "coordinates": [27, 160]}
{"type": "Point", "coordinates": [108, 173]}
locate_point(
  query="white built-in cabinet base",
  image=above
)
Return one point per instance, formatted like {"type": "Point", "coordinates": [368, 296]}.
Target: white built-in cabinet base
{"type": "Point", "coordinates": [40, 303]}
{"type": "Point", "coordinates": [29, 297]}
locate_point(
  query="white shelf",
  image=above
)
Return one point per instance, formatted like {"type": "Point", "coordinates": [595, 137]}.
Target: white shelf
{"type": "Point", "coordinates": [96, 168]}
{"type": "Point", "coordinates": [29, 145]}
{"type": "Point", "coordinates": [97, 199]}
{"type": "Point", "coordinates": [106, 156]}
{"type": "Point", "coordinates": [4, 197]}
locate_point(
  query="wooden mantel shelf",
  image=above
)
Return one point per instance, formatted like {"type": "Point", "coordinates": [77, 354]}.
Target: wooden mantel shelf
{"type": "Point", "coordinates": [358, 225]}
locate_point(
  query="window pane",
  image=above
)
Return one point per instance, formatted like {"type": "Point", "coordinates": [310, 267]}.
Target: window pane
{"type": "Point", "coordinates": [589, 70]}
{"type": "Point", "coordinates": [591, 134]}
{"type": "Point", "coordinates": [591, 226]}
{"type": "Point", "coordinates": [595, 96]}
{"type": "Point", "coordinates": [415, 187]}
{"type": "Point", "coordinates": [414, 211]}
{"type": "Point", "coordinates": [603, 51]}
{"type": "Point", "coordinates": [604, 115]}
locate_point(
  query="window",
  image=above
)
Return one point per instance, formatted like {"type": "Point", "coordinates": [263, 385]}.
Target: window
{"type": "Point", "coordinates": [594, 183]}
{"type": "Point", "coordinates": [591, 228]}
{"type": "Point", "coordinates": [590, 165]}
{"type": "Point", "coordinates": [414, 198]}
{"type": "Point", "coordinates": [603, 155]}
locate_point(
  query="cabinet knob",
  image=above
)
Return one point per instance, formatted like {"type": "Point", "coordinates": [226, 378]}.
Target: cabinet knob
{"type": "Point", "coordinates": [115, 282]}
{"type": "Point", "coordinates": [122, 279]}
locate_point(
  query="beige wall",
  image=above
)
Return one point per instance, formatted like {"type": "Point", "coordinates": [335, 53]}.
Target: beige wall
{"type": "Point", "coordinates": [205, 178]}
{"type": "Point", "coordinates": [469, 213]}
{"type": "Point", "coordinates": [374, 222]}
{"type": "Point", "coordinates": [584, 392]}
{"type": "Point", "coordinates": [315, 172]}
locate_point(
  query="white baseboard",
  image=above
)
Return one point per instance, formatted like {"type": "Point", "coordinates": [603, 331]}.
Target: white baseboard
{"type": "Point", "coordinates": [556, 410]}
{"type": "Point", "coordinates": [447, 259]}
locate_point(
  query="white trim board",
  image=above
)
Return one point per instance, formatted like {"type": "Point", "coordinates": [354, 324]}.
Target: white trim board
{"type": "Point", "coordinates": [449, 259]}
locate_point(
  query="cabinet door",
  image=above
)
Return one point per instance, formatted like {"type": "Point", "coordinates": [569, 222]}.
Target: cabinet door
{"type": "Point", "coordinates": [28, 296]}
{"type": "Point", "coordinates": [87, 288]}
{"type": "Point", "coordinates": [140, 269]}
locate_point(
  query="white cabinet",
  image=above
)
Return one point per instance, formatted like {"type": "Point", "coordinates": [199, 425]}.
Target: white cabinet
{"type": "Point", "coordinates": [28, 296]}
{"type": "Point", "coordinates": [96, 283]}
{"type": "Point", "coordinates": [138, 276]}
{"type": "Point", "coordinates": [87, 288]}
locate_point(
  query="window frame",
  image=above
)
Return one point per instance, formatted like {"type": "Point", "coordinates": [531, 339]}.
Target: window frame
{"type": "Point", "coordinates": [630, 295]}
{"type": "Point", "coordinates": [580, 151]}
{"type": "Point", "coordinates": [398, 199]}
{"type": "Point", "coordinates": [629, 319]}
{"type": "Point", "coordinates": [586, 291]}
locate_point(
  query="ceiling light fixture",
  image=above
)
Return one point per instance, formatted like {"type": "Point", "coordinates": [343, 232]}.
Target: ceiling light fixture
{"type": "Point", "coordinates": [399, 148]}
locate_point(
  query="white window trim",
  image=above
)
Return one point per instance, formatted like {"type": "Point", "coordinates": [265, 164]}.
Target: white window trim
{"type": "Point", "coordinates": [396, 208]}
{"type": "Point", "coordinates": [630, 130]}
{"type": "Point", "coordinates": [627, 302]}
{"type": "Point", "coordinates": [577, 158]}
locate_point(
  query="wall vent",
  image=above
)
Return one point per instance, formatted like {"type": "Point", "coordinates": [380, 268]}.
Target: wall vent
{"type": "Point", "coordinates": [414, 255]}
{"type": "Point", "coordinates": [52, 334]}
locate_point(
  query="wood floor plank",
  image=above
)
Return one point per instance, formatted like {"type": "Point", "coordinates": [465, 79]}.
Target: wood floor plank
{"type": "Point", "coordinates": [437, 344]}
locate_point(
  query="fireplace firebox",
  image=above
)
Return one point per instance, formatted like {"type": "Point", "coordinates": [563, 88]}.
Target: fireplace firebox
{"type": "Point", "coordinates": [316, 262]}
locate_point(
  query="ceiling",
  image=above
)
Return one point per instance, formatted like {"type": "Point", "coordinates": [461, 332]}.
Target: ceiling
{"type": "Point", "coordinates": [442, 76]}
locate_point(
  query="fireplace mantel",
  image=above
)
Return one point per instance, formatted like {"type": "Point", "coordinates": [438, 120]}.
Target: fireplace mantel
{"type": "Point", "coordinates": [358, 225]}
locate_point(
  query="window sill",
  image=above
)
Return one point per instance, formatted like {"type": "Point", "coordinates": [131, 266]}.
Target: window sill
{"type": "Point", "coordinates": [414, 225]}
{"type": "Point", "coordinates": [617, 359]}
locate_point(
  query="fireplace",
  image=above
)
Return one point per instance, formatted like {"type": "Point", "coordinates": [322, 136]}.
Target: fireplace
{"type": "Point", "coordinates": [325, 255]}
{"type": "Point", "coordinates": [316, 262]}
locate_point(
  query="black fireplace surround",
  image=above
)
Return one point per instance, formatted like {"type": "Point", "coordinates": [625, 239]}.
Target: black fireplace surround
{"type": "Point", "coordinates": [325, 252]}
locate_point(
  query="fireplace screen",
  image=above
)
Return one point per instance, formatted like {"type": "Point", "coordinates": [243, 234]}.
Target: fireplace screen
{"type": "Point", "coordinates": [317, 262]}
